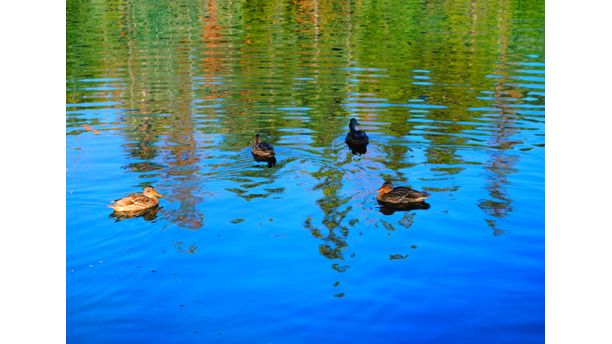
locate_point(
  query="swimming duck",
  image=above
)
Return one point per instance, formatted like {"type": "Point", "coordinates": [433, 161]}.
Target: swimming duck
{"type": "Point", "coordinates": [356, 137]}
{"type": "Point", "coordinates": [263, 151]}
{"type": "Point", "coordinates": [399, 196]}
{"type": "Point", "coordinates": [137, 202]}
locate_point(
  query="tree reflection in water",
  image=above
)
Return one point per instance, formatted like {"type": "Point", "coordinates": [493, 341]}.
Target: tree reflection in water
{"type": "Point", "coordinates": [501, 163]}
{"type": "Point", "coordinates": [192, 82]}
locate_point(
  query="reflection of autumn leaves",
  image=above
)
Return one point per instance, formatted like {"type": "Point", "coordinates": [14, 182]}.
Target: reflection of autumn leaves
{"type": "Point", "coordinates": [186, 215]}
{"type": "Point", "coordinates": [188, 220]}
{"type": "Point", "coordinates": [88, 128]}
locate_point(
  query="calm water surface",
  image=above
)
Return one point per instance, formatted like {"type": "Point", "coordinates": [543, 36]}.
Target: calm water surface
{"type": "Point", "coordinates": [170, 93]}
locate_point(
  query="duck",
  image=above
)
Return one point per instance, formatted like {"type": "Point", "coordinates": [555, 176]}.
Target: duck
{"type": "Point", "coordinates": [356, 137]}
{"type": "Point", "coordinates": [399, 196]}
{"type": "Point", "coordinates": [263, 151]}
{"type": "Point", "coordinates": [136, 203]}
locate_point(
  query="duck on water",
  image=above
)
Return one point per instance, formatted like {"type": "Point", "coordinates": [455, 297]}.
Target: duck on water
{"type": "Point", "coordinates": [357, 140]}
{"type": "Point", "coordinates": [138, 203]}
{"type": "Point", "coordinates": [399, 196]}
{"type": "Point", "coordinates": [263, 152]}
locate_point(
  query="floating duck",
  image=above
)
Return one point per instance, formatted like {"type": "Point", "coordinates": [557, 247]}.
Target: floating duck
{"type": "Point", "coordinates": [356, 137]}
{"type": "Point", "coordinates": [357, 140]}
{"type": "Point", "coordinates": [263, 151]}
{"type": "Point", "coordinates": [136, 203]}
{"type": "Point", "coordinates": [399, 196]}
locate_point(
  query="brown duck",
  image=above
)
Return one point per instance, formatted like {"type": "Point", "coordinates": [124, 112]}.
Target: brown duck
{"type": "Point", "coordinates": [137, 202]}
{"type": "Point", "coordinates": [399, 196]}
{"type": "Point", "coordinates": [263, 151]}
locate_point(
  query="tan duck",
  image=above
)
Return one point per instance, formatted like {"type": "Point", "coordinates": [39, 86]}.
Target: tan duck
{"type": "Point", "coordinates": [263, 151]}
{"type": "Point", "coordinates": [399, 196]}
{"type": "Point", "coordinates": [137, 202]}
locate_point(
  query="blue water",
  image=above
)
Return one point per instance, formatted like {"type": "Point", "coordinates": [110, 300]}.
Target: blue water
{"type": "Point", "coordinates": [301, 252]}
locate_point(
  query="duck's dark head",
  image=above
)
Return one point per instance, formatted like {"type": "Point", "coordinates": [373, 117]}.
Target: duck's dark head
{"type": "Point", "coordinates": [353, 123]}
{"type": "Point", "coordinates": [257, 138]}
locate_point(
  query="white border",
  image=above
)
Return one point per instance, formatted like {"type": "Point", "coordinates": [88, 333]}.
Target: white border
{"type": "Point", "coordinates": [33, 198]}
{"type": "Point", "coordinates": [578, 170]}
{"type": "Point", "coordinates": [578, 155]}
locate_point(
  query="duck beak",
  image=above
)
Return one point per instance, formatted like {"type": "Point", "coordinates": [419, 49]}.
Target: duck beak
{"type": "Point", "coordinates": [379, 190]}
{"type": "Point", "coordinates": [158, 195]}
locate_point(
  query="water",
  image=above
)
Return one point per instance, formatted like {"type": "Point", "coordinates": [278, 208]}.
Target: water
{"type": "Point", "coordinates": [451, 94]}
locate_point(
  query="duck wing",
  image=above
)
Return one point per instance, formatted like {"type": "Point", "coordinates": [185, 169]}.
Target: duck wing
{"type": "Point", "coordinates": [357, 137]}
{"type": "Point", "coordinates": [360, 134]}
{"type": "Point", "coordinates": [403, 194]}
{"type": "Point", "coordinates": [263, 149]}
{"type": "Point", "coordinates": [134, 200]}
{"type": "Point", "coordinates": [266, 146]}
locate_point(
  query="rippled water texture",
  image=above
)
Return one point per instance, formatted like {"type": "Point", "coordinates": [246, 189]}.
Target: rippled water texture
{"type": "Point", "coordinates": [170, 93]}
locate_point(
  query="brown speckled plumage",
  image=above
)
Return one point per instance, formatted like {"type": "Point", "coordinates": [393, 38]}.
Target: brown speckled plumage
{"type": "Point", "coordinates": [262, 150]}
{"type": "Point", "coordinates": [137, 202]}
{"type": "Point", "coordinates": [400, 195]}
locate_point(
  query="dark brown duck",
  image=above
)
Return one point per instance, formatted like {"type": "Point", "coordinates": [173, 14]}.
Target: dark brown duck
{"type": "Point", "coordinates": [356, 137]}
{"type": "Point", "coordinates": [263, 151]}
{"type": "Point", "coordinates": [399, 196]}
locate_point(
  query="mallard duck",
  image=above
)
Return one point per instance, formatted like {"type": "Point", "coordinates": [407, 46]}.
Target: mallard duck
{"type": "Point", "coordinates": [137, 202]}
{"type": "Point", "coordinates": [263, 151]}
{"type": "Point", "coordinates": [399, 196]}
{"type": "Point", "coordinates": [356, 137]}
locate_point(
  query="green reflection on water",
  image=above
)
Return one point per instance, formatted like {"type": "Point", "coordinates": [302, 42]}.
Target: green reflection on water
{"type": "Point", "coordinates": [193, 73]}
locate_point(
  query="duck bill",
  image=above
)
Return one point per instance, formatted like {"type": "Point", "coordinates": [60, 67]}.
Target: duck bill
{"type": "Point", "coordinates": [158, 195]}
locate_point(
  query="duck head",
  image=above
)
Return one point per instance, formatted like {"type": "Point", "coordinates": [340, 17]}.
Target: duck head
{"type": "Point", "coordinates": [150, 192]}
{"type": "Point", "coordinates": [384, 189]}
{"type": "Point", "coordinates": [352, 124]}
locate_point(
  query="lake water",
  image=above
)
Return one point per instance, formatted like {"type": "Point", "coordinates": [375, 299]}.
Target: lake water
{"type": "Point", "coordinates": [171, 93]}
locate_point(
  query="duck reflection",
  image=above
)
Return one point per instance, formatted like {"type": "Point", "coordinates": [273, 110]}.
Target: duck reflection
{"type": "Point", "coordinates": [387, 209]}
{"type": "Point", "coordinates": [149, 214]}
